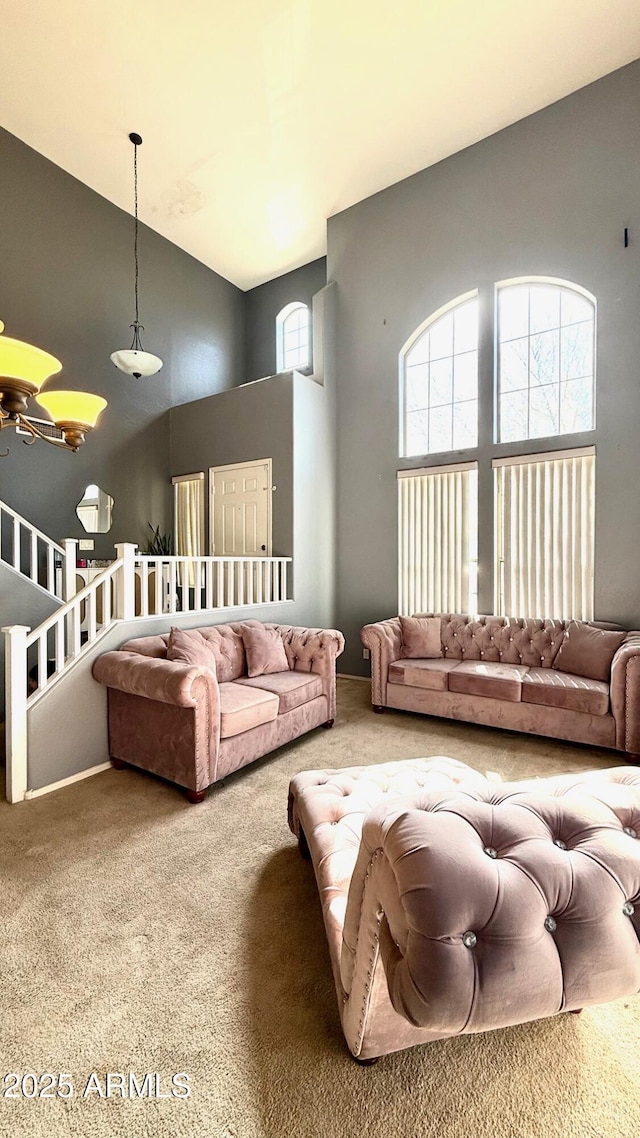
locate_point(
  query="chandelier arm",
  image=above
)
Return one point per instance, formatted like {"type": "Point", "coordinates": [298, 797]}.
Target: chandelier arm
{"type": "Point", "coordinates": [37, 434]}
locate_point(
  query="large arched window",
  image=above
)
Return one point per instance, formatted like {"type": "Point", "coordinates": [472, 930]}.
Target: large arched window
{"type": "Point", "coordinates": [292, 337]}
{"type": "Point", "coordinates": [439, 381]}
{"type": "Point", "coordinates": [545, 359]}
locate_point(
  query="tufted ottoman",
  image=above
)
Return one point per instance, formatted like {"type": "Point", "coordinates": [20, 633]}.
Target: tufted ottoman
{"type": "Point", "coordinates": [455, 904]}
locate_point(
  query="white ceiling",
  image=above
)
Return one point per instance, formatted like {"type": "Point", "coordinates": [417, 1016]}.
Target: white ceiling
{"type": "Point", "coordinates": [261, 118]}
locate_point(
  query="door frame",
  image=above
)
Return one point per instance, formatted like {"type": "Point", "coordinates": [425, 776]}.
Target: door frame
{"type": "Point", "coordinates": [213, 470]}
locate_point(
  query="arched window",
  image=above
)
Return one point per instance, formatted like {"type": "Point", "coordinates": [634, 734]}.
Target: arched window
{"type": "Point", "coordinates": [439, 381]}
{"type": "Point", "coordinates": [545, 359]}
{"type": "Point", "coordinates": [292, 337]}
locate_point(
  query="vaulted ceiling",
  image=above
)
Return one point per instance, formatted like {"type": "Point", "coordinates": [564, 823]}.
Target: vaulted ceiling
{"type": "Point", "coordinates": [261, 118]}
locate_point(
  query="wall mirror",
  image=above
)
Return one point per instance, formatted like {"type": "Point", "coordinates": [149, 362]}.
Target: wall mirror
{"type": "Point", "coordinates": [94, 510]}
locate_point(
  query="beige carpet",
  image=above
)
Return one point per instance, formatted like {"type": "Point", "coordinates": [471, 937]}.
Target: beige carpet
{"type": "Point", "coordinates": [143, 934]}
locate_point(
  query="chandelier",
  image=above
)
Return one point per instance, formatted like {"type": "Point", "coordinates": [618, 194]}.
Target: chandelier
{"type": "Point", "coordinates": [23, 370]}
{"type": "Point", "coordinates": [134, 360]}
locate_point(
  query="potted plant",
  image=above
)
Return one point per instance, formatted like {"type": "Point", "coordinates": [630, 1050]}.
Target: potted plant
{"type": "Point", "coordinates": [159, 544]}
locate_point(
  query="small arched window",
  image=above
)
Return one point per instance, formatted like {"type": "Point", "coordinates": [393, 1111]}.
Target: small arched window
{"type": "Point", "coordinates": [292, 337]}
{"type": "Point", "coordinates": [545, 359]}
{"type": "Point", "coordinates": [439, 381]}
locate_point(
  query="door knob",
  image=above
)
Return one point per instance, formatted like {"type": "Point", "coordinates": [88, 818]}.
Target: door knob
{"type": "Point", "coordinates": [263, 547]}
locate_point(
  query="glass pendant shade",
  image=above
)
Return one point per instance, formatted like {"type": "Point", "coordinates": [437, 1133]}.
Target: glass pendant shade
{"type": "Point", "coordinates": [22, 363]}
{"type": "Point", "coordinates": [136, 363]}
{"type": "Point", "coordinates": [80, 408]}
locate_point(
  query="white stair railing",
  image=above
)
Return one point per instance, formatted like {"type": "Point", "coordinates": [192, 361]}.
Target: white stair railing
{"type": "Point", "coordinates": [30, 552]}
{"type": "Point", "coordinates": [166, 585]}
{"type": "Point", "coordinates": [42, 656]}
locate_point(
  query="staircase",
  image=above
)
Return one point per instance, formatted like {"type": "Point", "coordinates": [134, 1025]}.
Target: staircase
{"type": "Point", "coordinates": [31, 553]}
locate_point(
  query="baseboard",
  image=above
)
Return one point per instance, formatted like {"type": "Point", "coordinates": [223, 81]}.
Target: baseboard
{"type": "Point", "coordinates": [67, 781]}
{"type": "Point", "coordinates": [348, 676]}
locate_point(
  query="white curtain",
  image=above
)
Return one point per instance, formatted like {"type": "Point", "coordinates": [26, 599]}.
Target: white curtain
{"type": "Point", "coordinates": [437, 539]}
{"type": "Point", "coordinates": [189, 520]}
{"type": "Point", "coordinates": [545, 512]}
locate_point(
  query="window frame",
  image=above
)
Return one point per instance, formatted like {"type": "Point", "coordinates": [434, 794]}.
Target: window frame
{"type": "Point", "coordinates": [561, 284]}
{"type": "Point", "coordinates": [433, 318]}
{"type": "Point", "coordinates": [281, 331]}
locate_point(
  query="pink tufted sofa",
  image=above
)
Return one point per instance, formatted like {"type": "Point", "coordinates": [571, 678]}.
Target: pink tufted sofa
{"type": "Point", "coordinates": [453, 904]}
{"type": "Point", "coordinates": [499, 672]}
{"type": "Point", "coordinates": [193, 725]}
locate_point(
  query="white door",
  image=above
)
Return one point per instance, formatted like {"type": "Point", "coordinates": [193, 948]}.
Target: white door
{"type": "Point", "coordinates": [240, 509]}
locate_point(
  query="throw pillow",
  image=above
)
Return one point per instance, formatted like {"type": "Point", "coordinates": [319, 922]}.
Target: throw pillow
{"type": "Point", "coordinates": [420, 637]}
{"type": "Point", "coordinates": [265, 650]}
{"type": "Point", "coordinates": [190, 647]}
{"type": "Point", "coordinates": [588, 651]}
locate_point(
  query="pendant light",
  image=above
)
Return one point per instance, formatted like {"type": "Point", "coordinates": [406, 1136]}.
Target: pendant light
{"type": "Point", "coordinates": [134, 360]}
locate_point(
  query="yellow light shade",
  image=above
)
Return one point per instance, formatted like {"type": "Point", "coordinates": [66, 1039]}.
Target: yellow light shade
{"type": "Point", "coordinates": [23, 362]}
{"type": "Point", "coordinates": [79, 407]}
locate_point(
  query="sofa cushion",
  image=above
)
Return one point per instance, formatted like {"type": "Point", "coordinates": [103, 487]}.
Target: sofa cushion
{"type": "Point", "coordinates": [561, 689]}
{"type": "Point", "coordinates": [292, 688]}
{"type": "Point", "coordinates": [430, 674]}
{"type": "Point", "coordinates": [265, 649]}
{"type": "Point", "coordinates": [588, 651]}
{"type": "Point", "coordinates": [242, 708]}
{"type": "Point", "coordinates": [420, 637]}
{"type": "Point", "coordinates": [188, 646]}
{"type": "Point", "coordinates": [499, 681]}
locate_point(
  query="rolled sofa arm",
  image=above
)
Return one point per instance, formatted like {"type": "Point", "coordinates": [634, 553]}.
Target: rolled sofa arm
{"type": "Point", "coordinates": [625, 694]}
{"type": "Point", "coordinates": [163, 680]}
{"type": "Point", "coordinates": [433, 902]}
{"type": "Point", "coordinates": [315, 650]}
{"type": "Point", "coordinates": [383, 641]}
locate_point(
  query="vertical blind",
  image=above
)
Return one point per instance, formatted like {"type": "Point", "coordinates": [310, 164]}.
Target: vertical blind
{"type": "Point", "coordinates": [437, 513]}
{"type": "Point", "coordinates": [188, 502]}
{"type": "Point", "coordinates": [545, 508]}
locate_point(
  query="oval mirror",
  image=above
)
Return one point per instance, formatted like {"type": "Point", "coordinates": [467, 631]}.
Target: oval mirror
{"type": "Point", "coordinates": [94, 510]}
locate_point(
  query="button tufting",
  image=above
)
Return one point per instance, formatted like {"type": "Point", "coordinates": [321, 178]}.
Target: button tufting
{"type": "Point", "coordinates": [628, 909]}
{"type": "Point", "coordinates": [469, 940]}
{"type": "Point", "coordinates": [550, 924]}
{"type": "Point", "coordinates": [559, 843]}
{"type": "Point", "coordinates": [631, 832]}
{"type": "Point", "coordinates": [490, 852]}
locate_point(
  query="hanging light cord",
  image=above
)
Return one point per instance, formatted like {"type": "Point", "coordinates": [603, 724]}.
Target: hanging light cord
{"type": "Point", "coordinates": [137, 326]}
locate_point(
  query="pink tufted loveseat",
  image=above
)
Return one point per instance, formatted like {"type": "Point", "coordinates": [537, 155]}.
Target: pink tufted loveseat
{"type": "Point", "coordinates": [193, 725]}
{"type": "Point", "coordinates": [453, 904]}
{"type": "Point", "coordinates": [499, 671]}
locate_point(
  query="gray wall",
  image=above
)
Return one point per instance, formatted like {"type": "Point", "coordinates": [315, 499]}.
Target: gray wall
{"type": "Point", "coordinates": [252, 421]}
{"type": "Point", "coordinates": [550, 195]}
{"type": "Point", "coordinates": [263, 304]}
{"type": "Point", "coordinates": [20, 603]}
{"type": "Point", "coordinates": [66, 284]}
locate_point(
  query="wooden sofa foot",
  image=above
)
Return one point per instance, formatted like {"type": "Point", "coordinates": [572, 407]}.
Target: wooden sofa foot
{"type": "Point", "coordinates": [575, 1011]}
{"type": "Point", "coordinates": [366, 1062]}
{"type": "Point", "coordinates": [632, 757]}
{"type": "Point", "coordinates": [196, 796]}
{"type": "Point", "coordinates": [118, 764]}
{"type": "Point", "coordinates": [303, 846]}
{"type": "Point", "coordinates": [378, 709]}
{"type": "Point", "coordinates": [328, 724]}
